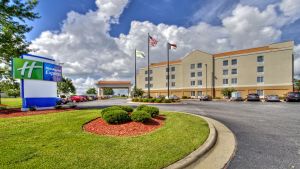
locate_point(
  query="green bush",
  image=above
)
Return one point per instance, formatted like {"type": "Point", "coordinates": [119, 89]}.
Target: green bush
{"type": "Point", "coordinates": [153, 111]}
{"type": "Point", "coordinates": [141, 107]}
{"type": "Point", "coordinates": [152, 100]}
{"type": "Point", "coordinates": [184, 97]}
{"type": "Point", "coordinates": [108, 109]}
{"type": "Point", "coordinates": [135, 99]}
{"type": "Point", "coordinates": [116, 116]}
{"type": "Point", "coordinates": [167, 101]}
{"type": "Point", "coordinates": [126, 108]}
{"type": "Point", "coordinates": [158, 100]}
{"type": "Point", "coordinates": [140, 116]}
{"type": "Point", "coordinates": [3, 108]}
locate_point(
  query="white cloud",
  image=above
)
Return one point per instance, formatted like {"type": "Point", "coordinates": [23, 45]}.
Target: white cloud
{"type": "Point", "coordinates": [89, 53]}
{"type": "Point", "coordinates": [291, 9]}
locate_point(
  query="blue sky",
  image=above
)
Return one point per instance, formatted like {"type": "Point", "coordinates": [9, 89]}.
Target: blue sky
{"type": "Point", "coordinates": [179, 12]}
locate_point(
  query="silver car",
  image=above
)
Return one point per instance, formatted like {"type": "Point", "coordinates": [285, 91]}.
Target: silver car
{"type": "Point", "coordinates": [272, 98]}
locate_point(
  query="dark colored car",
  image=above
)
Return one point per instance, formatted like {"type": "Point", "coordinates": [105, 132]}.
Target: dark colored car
{"type": "Point", "coordinates": [293, 97]}
{"type": "Point", "coordinates": [253, 97]}
{"type": "Point", "coordinates": [205, 98]}
{"type": "Point", "coordinates": [272, 98]}
{"type": "Point", "coordinates": [59, 101]}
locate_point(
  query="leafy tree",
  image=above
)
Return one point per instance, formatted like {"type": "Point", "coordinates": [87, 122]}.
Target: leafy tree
{"type": "Point", "coordinates": [297, 85]}
{"type": "Point", "coordinates": [13, 14]}
{"type": "Point", "coordinates": [137, 92]}
{"type": "Point", "coordinates": [108, 91]}
{"type": "Point", "coordinates": [11, 88]}
{"type": "Point", "coordinates": [91, 91]}
{"type": "Point", "coordinates": [66, 86]}
{"type": "Point", "coordinates": [227, 92]}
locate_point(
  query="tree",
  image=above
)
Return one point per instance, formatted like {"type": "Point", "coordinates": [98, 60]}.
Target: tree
{"type": "Point", "coordinates": [66, 86]}
{"type": "Point", "coordinates": [91, 91]}
{"type": "Point", "coordinates": [13, 14]}
{"type": "Point", "coordinates": [297, 85]}
{"type": "Point", "coordinates": [137, 92]}
{"type": "Point", "coordinates": [108, 91]}
{"type": "Point", "coordinates": [227, 92]}
{"type": "Point", "coordinates": [11, 88]}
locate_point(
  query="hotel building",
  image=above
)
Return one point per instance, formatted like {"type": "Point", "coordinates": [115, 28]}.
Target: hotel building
{"type": "Point", "coordinates": [264, 70]}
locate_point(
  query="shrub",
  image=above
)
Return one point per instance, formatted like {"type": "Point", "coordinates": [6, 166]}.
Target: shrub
{"type": "Point", "coordinates": [141, 107]}
{"type": "Point", "coordinates": [153, 111]}
{"type": "Point", "coordinates": [126, 108]}
{"type": "Point", "coordinates": [158, 100]}
{"type": "Point", "coordinates": [3, 108]}
{"type": "Point", "coordinates": [167, 101]}
{"type": "Point", "coordinates": [135, 99]}
{"type": "Point", "coordinates": [108, 109]}
{"type": "Point", "coordinates": [152, 100]}
{"type": "Point", "coordinates": [184, 97]}
{"type": "Point", "coordinates": [116, 116]}
{"type": "Point", "coordinates": [140, 116]}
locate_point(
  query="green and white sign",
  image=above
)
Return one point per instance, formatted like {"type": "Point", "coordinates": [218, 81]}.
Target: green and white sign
{"type": "Point", "coordinates": [27, 69]}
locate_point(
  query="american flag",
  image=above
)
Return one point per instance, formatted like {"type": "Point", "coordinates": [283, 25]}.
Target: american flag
{"type": "Point", "coordinates": [152, 41]}
{"type": "Point", "coordinates": [172, 46]}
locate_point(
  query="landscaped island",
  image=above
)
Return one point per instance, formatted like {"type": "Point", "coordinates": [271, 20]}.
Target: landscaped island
{"type": "Point", "coordinates": [59, 140]}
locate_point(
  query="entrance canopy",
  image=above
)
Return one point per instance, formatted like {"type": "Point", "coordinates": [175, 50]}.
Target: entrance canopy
{"type": "Point", "coordinates": [114, 85]}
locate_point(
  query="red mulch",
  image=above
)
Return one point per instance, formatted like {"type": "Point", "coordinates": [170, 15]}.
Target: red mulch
{"type": "Point", "coordinates": [17, 112]}
{"type": "Point", "coordinates": [99, 126]}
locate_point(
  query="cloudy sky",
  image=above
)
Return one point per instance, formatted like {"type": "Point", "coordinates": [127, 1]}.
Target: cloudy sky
{"type": "Point", "coordinates": [95, 39]}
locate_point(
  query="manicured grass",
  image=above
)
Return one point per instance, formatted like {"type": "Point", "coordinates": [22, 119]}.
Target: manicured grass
{"type": "Point", "coordinates": [12, 102]}
{"type": "Point", "coordinates": [58, 141]}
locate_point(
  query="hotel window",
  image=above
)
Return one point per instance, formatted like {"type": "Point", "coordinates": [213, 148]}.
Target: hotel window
{"type": "Point", "coordinates": [260, 59]}
{"type": "Point", "coordinates": [193, 74]}
{"type": "Point", "coordinates": [173, 69]}
{"type": "Point", "coordinates": [260, 92]}
{"type": "Point", "coordinates": [199, 65]}
{"type": "Point", "coordinates": [193, 93]}
{"type": "Point", "coordinates": [233, 71]}
{"type": "Point", "coordinates": [173, 84]}
{"type": "Point", "coordinates": [260, 69]}
{"type": "Point", "coordinates": [166, 69]}
{"type": "Point", "coordinates": [225, 72]}
{"type": "Point", "coordinates": [234, 62]}
{"type": "Point", "coordinates": [146, 72]}
{"type": "Point", "coordinates": [260, 79]}
{"type": "Point", "coordinates": [172, 76]}
{"type": "Point", "coordinates": [199, 93]}
{"type": "Point", "coordinates": [167, 77]}
{"type": "Point", "coordinates": [199, 82]}
{"type": "Point", "coordinates": [146, 85]}
{"type": "Point", "coordinates": [193, 83]}
{"type": "Point", "coordinates": [225, 62]}
{"type": "Point", "coordinates": [192, 66]}
{"type": "Point", "coordinates": [225, 81]}
{"type": "Point", "coordinates": [150, 78]}
{"type": "Point", "coordinates": [234, 81]}
{"type": "Point", "coordinates": [199, 74]}
{"type": "Point", "coordinates": [146, 78]}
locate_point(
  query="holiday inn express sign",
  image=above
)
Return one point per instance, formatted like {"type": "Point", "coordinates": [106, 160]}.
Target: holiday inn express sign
{"type": "Point", "coordinates": [36, 70]}
{"type": "Point", "coordinates": [38, 76]}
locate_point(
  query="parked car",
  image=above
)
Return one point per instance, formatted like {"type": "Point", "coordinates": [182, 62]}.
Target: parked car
{"type": "Point", "coordinates": [236, 96]}
{"type": "Point", "coordinates": [76, 98]}
{"type": "Point", "coordinates": [272, 98]}
{"type": "Point", "coordinates": [293, 96]}
{"type": "Point", "coordinates": [173, 97]}
{"type": "Point", "coordinates": [59, 101]}
{"type": "Point", "coordinates": [84, 98]}
{"type": "Point", "coordinates": [205, 98]}
{"type": "Point", "coordinates": [253, 97]}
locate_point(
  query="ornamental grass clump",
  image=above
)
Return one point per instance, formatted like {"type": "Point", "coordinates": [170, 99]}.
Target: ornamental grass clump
{"type": "Point", "coordinates": [116, 116]}
{"type": "Point", "coordinates": [140, 116]}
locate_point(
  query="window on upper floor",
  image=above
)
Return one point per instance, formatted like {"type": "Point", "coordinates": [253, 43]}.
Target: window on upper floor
{"type": "Point", "coordinates": [234, 81]}
{"type": "Point", "coordinates": [192, 66]}
{"type": "Point", "coordinates": [233, 71]}
{"type": "Point", "coordinates": [199, 74]}
{"type": "Point", "coordinates": [225, 62]}
{"type": "Point", "coordinates": [260, 59]}
{"type": "Point", "coordinates": [260, 79]}
{"type": "Point", "coordinates": [225, 72]}
{"type": "Point", "coordinates": [150, 72]}
{"type": "Point", "coordinates": [146, 72]}
{"type": "Point", "coordinates": [193, 83]}
{"type": "Point", "coordinates": [192, 74]}
{"type": "Point", "coordinates": [199, 65]}
{"type": "Point", "coordinates": [167, 77]}
{"type": "Point", "coordinates": [172, 69]}
{"type": "Point", "coordinates": [234, 62]}
{"type": "Point", "coordinates": [172, 76]}
{"type": "Point", "coordinates": [167, 69]}
{"type": "Point", "coordinates": [260, 69]}
{"type": "Point", "coordinates": [199, 82]}
{"type": "Point", "coordinates": [173, 84]}
{"type": "Point", "coordinates": [225, 81]}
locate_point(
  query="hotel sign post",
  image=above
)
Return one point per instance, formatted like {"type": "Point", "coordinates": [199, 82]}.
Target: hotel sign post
{"type": "Point", "coordinates": [39, 76]}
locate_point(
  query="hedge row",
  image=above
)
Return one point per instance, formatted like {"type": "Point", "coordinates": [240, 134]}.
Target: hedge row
{"type": "Point", "coordinates": [121, 114]}
{"type": "Point", "coordinates": [152, 100]}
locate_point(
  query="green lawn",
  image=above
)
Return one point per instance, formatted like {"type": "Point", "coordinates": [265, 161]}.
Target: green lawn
{"type": "Point", "coordinates": [58, 141]}
{"type": "Point", "coordinates": [12, 102]}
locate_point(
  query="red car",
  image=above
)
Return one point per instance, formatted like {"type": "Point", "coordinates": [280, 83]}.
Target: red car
{"type": "Point", "coordinates": [76, 98]}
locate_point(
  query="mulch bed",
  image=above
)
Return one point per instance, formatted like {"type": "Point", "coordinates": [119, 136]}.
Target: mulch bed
{"type": "Point", "coordinates": [99, 126]}
{"type": "Point", "coordinates": [16, 112]}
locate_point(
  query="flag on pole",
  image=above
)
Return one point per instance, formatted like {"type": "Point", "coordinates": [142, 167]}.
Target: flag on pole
{"type": "Point", "coordinates": [172, 46]}
{"type": "Point", "coordinates": [139, 54]}
{"type": "Point", "coordinates": [152, 41]}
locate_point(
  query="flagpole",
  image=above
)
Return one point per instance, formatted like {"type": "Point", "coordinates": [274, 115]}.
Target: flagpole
{"type": "Point", "coordinates": [134, 68]}
{"type": "Point", "coordinates": [168, 70]}
{"type": "Point", "coordinates": [148, 67]}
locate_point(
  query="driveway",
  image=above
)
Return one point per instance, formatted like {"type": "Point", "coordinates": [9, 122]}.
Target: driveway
{"type": "Point", "coordinates": [268, 134]}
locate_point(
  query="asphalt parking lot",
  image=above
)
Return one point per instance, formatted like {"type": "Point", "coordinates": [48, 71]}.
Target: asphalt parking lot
{"type": "Point", "coordinates": [268, 134]}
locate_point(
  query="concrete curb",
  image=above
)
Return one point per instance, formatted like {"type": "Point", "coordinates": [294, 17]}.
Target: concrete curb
{"type": "Point", "coordinates": [154, 103]}
{"type": "Point", "coordinates": [202, 150]}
